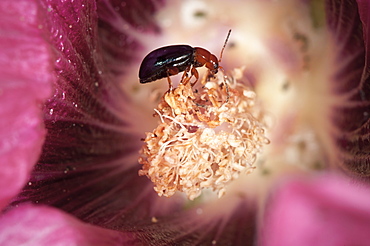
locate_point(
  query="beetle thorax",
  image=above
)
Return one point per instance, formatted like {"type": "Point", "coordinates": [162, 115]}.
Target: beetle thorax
{"type": "Point", "coordinates": [203, 57]}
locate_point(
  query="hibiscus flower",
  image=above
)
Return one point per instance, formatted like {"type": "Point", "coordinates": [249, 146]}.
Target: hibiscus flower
{"type": "Point", "coordinates": [74, 115]}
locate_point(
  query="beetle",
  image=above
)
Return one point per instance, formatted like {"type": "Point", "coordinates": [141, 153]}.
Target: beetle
{"type": "Point", "coordinates": [171, 60]}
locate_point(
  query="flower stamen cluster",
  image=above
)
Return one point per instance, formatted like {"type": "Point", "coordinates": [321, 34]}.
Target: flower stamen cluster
{"type": "Point", "coordinates": [205, 138]}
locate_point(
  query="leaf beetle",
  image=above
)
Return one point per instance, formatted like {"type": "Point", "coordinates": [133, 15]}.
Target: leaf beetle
{"type": "Point", "coordinates": [171, 60]}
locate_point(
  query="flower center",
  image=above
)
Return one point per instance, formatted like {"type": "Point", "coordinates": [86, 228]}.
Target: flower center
{"type": "Point", "coordinates": [205, 138]}
{"type": "Point", "coordinates": [285, 56]}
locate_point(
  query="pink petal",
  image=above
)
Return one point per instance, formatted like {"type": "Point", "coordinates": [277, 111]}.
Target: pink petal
{"type": "Point", "coordinates": [350, 82]}
{"type": "Point", "coordinates": [321, 211]}
{"type": "Point", "coordinates": [26, 76]}
{"type": "Point", "coordinates": [88, 166]}
{"type": "Point", "coordinates": [41, 225]}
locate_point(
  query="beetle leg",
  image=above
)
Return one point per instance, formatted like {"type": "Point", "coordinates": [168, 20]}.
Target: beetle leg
{"type": "Point", "coordinates": [184, 78]}
{"type": "Point", "coordinates": [169, 83]}
{"type": "Point", "coordinates": [225, 83]}
{"type": "Point", "coordinates": [171, 71]}
{"type": "Point", "coordinates": [227, 92]}
{"type": "Point", "coordinates": [194, 72]}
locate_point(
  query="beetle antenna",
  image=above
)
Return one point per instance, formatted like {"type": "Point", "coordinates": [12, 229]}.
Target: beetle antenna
{"type": "Point", "coordinates": [227, 39]}
{"type": "Point", "coordinates": [225, 83]}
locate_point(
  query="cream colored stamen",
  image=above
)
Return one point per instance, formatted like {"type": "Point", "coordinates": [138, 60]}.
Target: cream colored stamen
{"type": "Point", "coordinates": [205, 137]}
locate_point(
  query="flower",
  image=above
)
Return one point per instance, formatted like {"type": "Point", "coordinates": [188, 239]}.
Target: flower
{"type": "Point", "coordinates": [331, 211]}
{"type": "Point", "coordinates": [72, 103]}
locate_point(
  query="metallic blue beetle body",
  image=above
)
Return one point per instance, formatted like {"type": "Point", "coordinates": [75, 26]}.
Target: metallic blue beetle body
{"type": "Point", "coordinates": [170, 60]}
{"type": "Point", "coordinates": [156, 64]}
